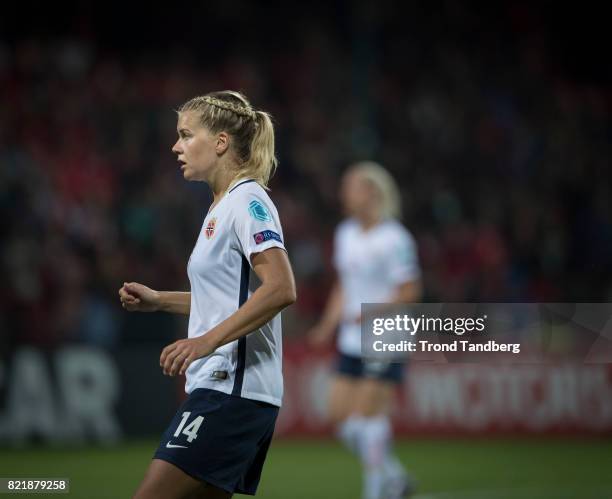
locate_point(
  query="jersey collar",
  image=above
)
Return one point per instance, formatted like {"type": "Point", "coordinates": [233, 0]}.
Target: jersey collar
{"type": "Point", "coordinates": [241, 182]}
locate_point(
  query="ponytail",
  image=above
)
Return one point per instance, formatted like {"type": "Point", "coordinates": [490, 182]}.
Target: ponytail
{"type": "Point", "coordinates": [262, 162]}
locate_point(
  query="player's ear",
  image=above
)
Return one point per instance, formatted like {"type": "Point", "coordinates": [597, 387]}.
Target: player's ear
{"type": "Point", "coordinates": [223, 141]}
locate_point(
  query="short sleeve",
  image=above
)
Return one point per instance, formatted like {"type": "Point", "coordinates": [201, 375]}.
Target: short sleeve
{"type": "Point", "coordinates": [257, 225]}
{"type": "Point", "coordinates": [403, 262]}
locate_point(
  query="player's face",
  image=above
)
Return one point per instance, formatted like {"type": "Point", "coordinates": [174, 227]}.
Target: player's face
{"type": "Point", "coordinates": [195, 147]}
{"type": "Point", "coordinates": [357, 194]}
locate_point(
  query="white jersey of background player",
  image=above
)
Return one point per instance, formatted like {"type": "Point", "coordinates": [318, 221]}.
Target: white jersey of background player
{"type": "Point", "coordinates": [370, 265]}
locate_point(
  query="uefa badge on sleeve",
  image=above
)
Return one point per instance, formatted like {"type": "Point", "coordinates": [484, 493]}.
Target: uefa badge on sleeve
{"type": "Point", "coordinates": [209, 231]}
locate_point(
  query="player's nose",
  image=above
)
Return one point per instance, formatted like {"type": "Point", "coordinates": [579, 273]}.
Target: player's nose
{"type": "Point", "coordinates": [176, 148]}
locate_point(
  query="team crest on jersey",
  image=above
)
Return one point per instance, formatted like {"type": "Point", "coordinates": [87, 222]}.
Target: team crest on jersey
{"type": "Point", "coordinates": [259, 212]}
{"type": "Point", "coordinates": [209, 231]}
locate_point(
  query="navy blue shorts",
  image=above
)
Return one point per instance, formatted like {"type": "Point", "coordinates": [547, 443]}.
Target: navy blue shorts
{"type": "Point", "coordinates": [220, 439]}
{"type": "Point", "coordinates": [356, 367]}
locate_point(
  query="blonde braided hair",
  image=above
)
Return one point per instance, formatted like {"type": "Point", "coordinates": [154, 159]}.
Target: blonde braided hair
{"type": "Point", "coordinates": [230, 106]}
{"type": "Point", "coordinates": [251, 131]}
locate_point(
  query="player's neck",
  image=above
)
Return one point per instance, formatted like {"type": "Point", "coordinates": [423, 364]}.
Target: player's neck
{"type": "Point", "coordinates": [221, 183]}
{"type": "Point", "coordinates": [367, 220]}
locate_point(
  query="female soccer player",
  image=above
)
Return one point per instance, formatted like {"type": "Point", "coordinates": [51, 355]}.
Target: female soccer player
{"type": "Point", "coordinates": [218, 440]}
{"type": "Point", "coordinates": [376, 262]}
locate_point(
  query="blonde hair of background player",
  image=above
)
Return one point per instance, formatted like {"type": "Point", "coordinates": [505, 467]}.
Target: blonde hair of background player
{"type": "Point", "coordinates": [252, 131]}
{"type": "Point", "coordinates": [390, 203]}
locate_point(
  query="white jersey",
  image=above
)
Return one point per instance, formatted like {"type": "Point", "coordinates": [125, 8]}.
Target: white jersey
{"type": "Point", "coordinates": [244, 222]}
{"type": "Point", "coordinates": [371, 265]}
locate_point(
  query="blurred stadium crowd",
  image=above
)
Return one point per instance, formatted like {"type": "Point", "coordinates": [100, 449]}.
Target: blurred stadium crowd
{"type": "Point", "coordinates": [501, 153]}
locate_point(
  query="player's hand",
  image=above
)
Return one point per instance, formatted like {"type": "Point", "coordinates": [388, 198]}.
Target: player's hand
{"type": "Point", "coordinates": [136, 297]}
{"type": "Point", "coordinates": [177, 357]}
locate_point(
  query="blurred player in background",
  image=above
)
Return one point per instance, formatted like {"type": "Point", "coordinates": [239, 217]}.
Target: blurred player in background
{"type": "Point", "coordinates": [376, 261]}
{"type": "Point", "coordinates": [218, 440]}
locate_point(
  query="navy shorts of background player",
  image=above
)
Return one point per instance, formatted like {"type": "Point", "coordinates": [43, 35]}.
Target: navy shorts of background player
{"type": "Point", "coordinates": [356, 367]}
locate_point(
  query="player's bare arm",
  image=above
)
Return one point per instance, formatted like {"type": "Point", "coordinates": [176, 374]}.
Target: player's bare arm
{"type": "Point", "coordinates": [323, 331]}
{"type": "Point", "coordinates": [408, 292]}
{"type": "Point", "coordinates": [136, 297]}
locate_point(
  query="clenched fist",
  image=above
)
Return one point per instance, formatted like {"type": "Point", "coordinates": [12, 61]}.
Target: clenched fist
{"type": "Point", "coordinates": [136, 297]}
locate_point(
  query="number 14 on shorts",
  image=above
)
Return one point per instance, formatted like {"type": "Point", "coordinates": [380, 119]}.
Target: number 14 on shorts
{"type": "Point", "coordinates": [192, 428]}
